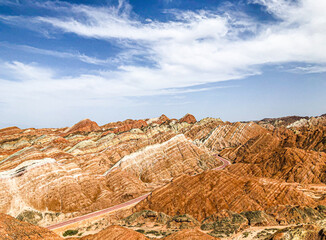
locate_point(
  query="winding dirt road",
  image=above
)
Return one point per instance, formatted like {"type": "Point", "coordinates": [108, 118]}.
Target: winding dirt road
{"type": "Point", "coordinates": [100, 212]}
{"type": "Point", "coordinates": [119, 206]}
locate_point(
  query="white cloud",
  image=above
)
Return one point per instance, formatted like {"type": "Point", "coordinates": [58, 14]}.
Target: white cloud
{"type": "Point", "coordinates": [104, 24]}
{"type": "Point", "coordinates": [309, 69]}
{"type": "Point", "coordinates": [208, 41]}
{"type": "Point", "coordinates": [192, 48]}
{"type": "Point", "coordinates": [31, 80]}
{"type": "Point", "coordinates": [21, 72]}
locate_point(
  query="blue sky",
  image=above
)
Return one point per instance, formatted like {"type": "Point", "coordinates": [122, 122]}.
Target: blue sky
{"type": "Point", "coordinates": [63, 61]}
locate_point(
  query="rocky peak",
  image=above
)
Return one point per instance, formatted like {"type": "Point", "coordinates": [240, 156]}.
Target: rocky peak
{"type": "Point", "coordinates": [188, 118]}
{"type": "Point", "coordinates": [163, 118]}
{"type": "Point", "coordinates": [85, 125]}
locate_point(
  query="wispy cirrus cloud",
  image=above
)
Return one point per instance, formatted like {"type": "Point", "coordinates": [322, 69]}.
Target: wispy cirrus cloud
{"type": "Point", "coordinates": [9, 2]}
{"type": "Point", "coordinates": [309, 69]}
{"type": "Point", "coordinates": [122, 57]}
{"type": "Point", "coordinates": [76, 55]}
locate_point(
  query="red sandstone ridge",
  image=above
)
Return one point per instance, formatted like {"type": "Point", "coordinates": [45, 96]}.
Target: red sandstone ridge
{"type": "Point", "coordinates": [117, 127]}
{"type": "Point", "coordinates": [128, 125]}
{"type": "Point", "coordinates": [188, 118]}
{"type": "Point", "coordinates": [214, 191]}
{"type": "Point", "coordinates": [281, 122]}
{"type": "Point", "coordinates": [159, 120]}
{"type": "Point", "coordinates": [13, 229]}
{"type": "Point", "coordinates": [283, 154]}
{"type": "Point", "coordinates": [162, 119]}
{"type": "Point", "coordinates": [85, 125]}
{"type": "Point", "coordinates": [9, 130]}
{"type": "Point", "coordinates": [49, 175]}
{"type": "Point", "coordinates": [116, 233]}
{"type": "Point", "coordinates": [194, 234]}
{"type": "Point", "coordinates": [161, 162]}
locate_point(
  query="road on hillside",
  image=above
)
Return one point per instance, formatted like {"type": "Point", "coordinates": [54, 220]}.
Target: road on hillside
{"type": "Point", "coordinates": [97, 213]}
{"type": "Point", "coordinates": [224, 161]}
{"type": "Point", "coordinates": [120, 206]}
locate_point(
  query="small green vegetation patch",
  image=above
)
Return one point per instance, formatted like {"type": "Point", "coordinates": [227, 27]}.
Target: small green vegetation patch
{"type": "Point", "coordinates": [70, 233]}
{"type": "Point", "coordinates": [245, 234]}
{"type": "Point", "coordinates": [140, 230]}
{"type": "Point", "coordinates": [156, 233]}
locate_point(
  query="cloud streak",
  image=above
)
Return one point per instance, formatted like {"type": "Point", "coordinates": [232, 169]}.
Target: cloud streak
{"type": "Point", "coordinates": [58, 54]}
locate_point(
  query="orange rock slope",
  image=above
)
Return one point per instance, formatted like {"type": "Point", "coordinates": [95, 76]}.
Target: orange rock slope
{"type": "Point", "coordinates": [85, 125]}
{"type": "Point", "coordinates": [213, 191]}
{"type": "Point", "coordinates": [283, 154]}
{"type": "Point", "coordinates": [270, 168]}
{"type": "Point", "coordinates": [84, 168]}
{"type": "Point", "coordinates": [116, 233]}
{"type": "Point", "coordinates": [48, 175]}
{"type": "Point", "coordinates": [12, 229]}
{"type": "Point", "coordinates": [194, 234]}
{"type": "Point", "coordinates": [188, 118]}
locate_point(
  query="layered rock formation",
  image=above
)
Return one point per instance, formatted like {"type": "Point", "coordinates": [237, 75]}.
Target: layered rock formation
{"type": "Point", "coordinates": [303, 232]}
{"type": "Point", "coordinates": [217, 135]}
{"type": "Point", "coordinates": [119, 233]}
{"type": "Point", "coordinates": [162, 162]}
{"type": "Point", "coordinates": [194, 234]}
{"type": "Point", "coordinates": [46, 184]}
{"type": "Point", "coordinates": [116, 233]}
{"type": "Point", "coordinates": [85, 168]}
{"type": "Point", "coordinates": [118, 127]}
{"type": "Point", "coordinates": [281, 122]}
{"type": "Point", "coordinates": [226, 223]}
{"type": "Point", "coordinates": [13, 229]}
{"type": "Point", "coordinates": [218, 190]}
{"type": "Point", "coordinates": [85, 125]}
{"type": "Point", "coordinates": [282, 154]}
{"type": "Point", "coordinates": [188, 118]}
{"type": "Point", "coordinates": [277, 176]}
{"type": "Point", "coordinates": [160, 120]}
{"type": "Point", "coordinates": [232, 135]}
{"type": "Point", "coordinates": [294, 121]}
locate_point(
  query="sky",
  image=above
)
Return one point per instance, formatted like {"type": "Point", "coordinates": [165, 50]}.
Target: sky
{"type": "Point", "coordinates": [64, 61]}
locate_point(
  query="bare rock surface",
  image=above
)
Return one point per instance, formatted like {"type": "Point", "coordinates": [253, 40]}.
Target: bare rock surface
{"type": "Point", "coordinates": [55, 174]}
{"type": "Point", "coordinates": [303, 232]}
{"type": "Point", "coordinates": [277, 175]}
{"type": "Point", "coordinates": [85, 125]}
{"type": "Point", "coordinates": [218, 190]}
{"type": "Point", "coordinates": [13, 229]}
{"type": "Point", "coordinates": [188, 118]}
{"type": "Point", "coordinates": [195, 234]}
{"type": "Point", "coordinates": [116, 233]}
